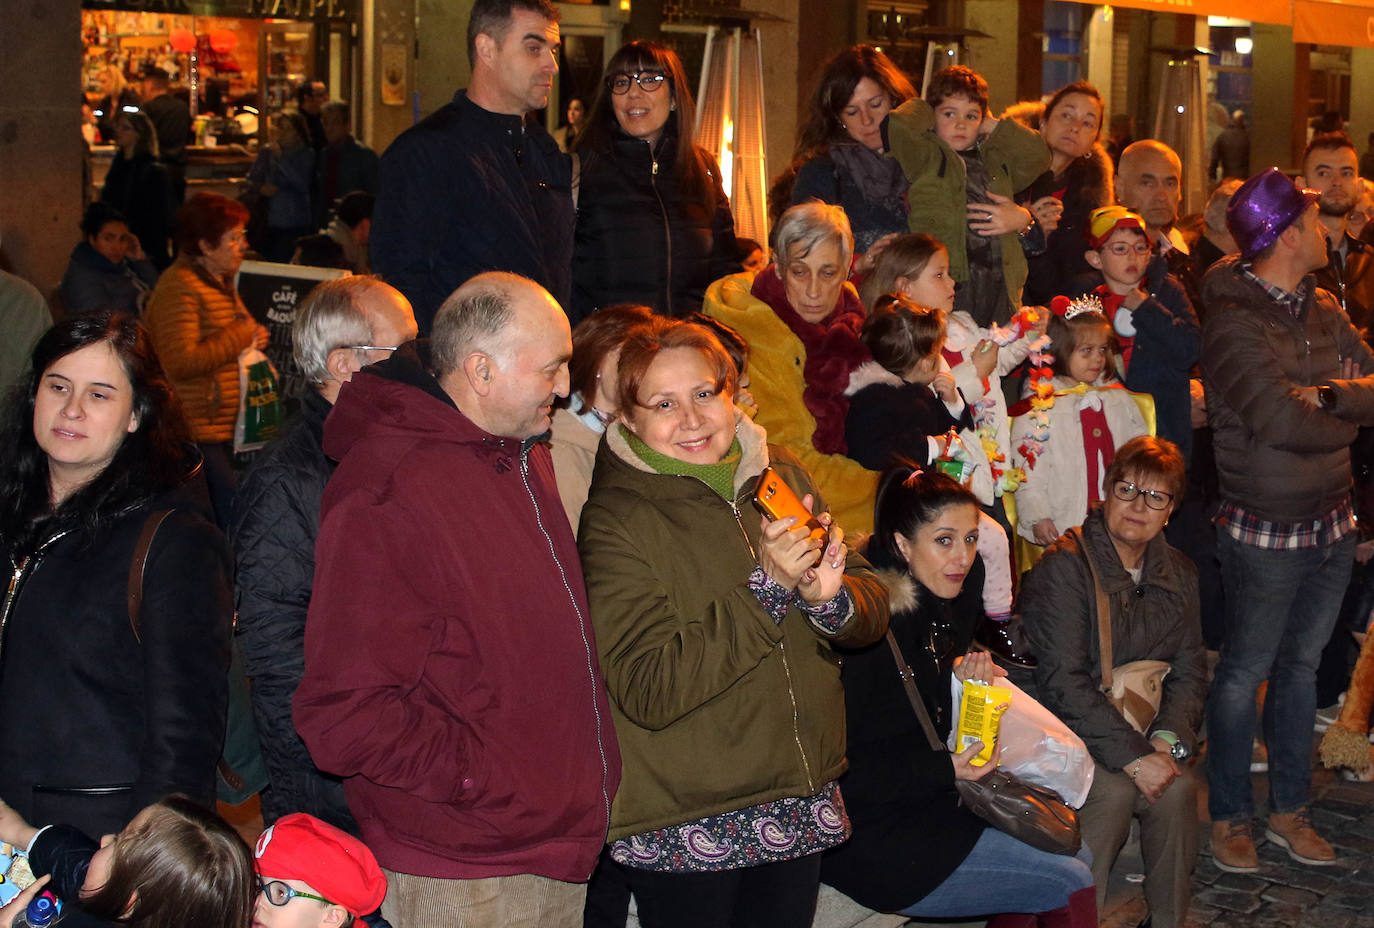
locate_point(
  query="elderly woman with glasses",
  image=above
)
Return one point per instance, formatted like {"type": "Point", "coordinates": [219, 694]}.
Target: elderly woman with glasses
{"type": "Point", "coordinates": [653, 221]}
{"type": "Point", "coordinates": [1120, 557]}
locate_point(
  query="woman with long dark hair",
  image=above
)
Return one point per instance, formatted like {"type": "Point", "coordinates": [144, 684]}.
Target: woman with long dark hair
{"type": "Point", "coordinates": [139, 186]}
{"type": "Point", "coordinates": [840, 155]}
{"type": "Point", "coordinates": [653, 221]}
{"type": "Point", "coordinates": [115, 699]}
{"type": "Point", "coordinates": [916, 849]}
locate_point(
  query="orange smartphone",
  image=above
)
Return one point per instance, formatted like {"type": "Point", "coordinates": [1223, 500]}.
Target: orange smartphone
{"type": "Point", "coordinates": [776, 500]}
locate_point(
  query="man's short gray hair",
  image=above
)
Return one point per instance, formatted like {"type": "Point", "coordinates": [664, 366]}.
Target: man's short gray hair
{"type": "Point", "coordinates": [806, 225]}
{"type": "Point", "coordinates": [331, 317]}
{"type": "Point", "coordinates": [478, 316]}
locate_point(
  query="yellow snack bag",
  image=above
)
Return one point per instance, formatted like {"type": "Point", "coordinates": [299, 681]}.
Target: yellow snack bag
{"type": "Point", "coordinates": [980, 711]}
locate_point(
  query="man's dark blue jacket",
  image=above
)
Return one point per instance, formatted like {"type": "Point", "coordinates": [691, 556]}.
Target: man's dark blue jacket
{"type": "Point", "coordinates": [465, 191]}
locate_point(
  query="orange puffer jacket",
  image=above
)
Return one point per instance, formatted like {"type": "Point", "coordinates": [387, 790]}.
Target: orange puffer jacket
{"type": "Point", "coordinates": [199, 326]}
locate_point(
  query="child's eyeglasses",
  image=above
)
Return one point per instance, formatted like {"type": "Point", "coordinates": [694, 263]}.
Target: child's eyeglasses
{"type": "Point", "coordinates": [278, 893]}
{"type": "Point", "coordinates": [1122, 249]}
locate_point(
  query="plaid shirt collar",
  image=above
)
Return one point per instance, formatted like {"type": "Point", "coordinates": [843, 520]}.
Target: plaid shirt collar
{"type": "Point", "coordinates": [1293, 302]}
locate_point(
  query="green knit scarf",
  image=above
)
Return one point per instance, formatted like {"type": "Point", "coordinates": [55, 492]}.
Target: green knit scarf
{"type": "Point", "coordinates": [719, 476]}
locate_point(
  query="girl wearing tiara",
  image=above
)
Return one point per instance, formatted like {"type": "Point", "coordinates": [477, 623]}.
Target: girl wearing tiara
{"type": "Point", "coordinates": [1066, 433]}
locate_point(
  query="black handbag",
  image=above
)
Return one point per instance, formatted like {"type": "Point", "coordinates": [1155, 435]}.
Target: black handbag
{"type": "Point", "coordinates": [1031, 814]}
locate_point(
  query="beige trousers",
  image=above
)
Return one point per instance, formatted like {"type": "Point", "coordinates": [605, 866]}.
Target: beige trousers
{"type": "Point", "coordinates": [520, 901]}
{"type": "Point", "coordinates": [1168, 838]}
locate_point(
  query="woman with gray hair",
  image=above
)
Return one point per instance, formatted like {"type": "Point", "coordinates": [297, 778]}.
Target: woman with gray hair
{"type": "Point", "coordinates": [801, 318]}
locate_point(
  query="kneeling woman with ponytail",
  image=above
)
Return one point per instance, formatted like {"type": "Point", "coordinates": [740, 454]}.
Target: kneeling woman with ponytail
{"type": "Point", "coordinates": [915, 849]}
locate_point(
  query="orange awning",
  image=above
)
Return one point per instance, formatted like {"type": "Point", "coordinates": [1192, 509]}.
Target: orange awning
{"type": "Point", "coordinates": [1260, 11]}
{"type": "Point", "coordinates": [1329, 22]}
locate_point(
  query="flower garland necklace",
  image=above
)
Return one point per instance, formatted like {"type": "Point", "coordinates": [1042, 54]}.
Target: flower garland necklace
{"type": "Point", "coordinates": [1042, 377]}
{"type": "Point", "coordinates": [1005, 479]}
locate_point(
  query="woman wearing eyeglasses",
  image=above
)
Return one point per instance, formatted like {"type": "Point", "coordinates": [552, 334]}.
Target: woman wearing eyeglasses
{"type": "Point", "coordinates": [200, 326]}
{"type": "Point", "coordinates": [653, 221]}
{"type": "Point", "coordinates": [1152, 594]}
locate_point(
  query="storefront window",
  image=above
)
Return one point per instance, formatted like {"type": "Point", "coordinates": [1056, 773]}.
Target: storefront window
{"type": "Point", "coordinates": [1062, 58]}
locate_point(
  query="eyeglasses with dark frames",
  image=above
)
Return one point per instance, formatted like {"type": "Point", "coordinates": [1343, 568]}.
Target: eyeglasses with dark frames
{"type": "Point", "coordinates": [1126, 491]}
{"type": "Point", "coordinates": [648, 81]}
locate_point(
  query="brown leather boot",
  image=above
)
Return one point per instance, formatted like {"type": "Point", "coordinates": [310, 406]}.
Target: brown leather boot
{"type": "Point", "coordinates": [1233, 849]}
{"type": "Point", "coordinates": [1294, 831]}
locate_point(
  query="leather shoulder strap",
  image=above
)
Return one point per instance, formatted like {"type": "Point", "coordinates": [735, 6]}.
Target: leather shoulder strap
{"type": "Point", "coordinates": [917, 704]}
{"type": "Point", "coordinates": [576, 176]}
{"type": "Point", "coordinates": [137, 565]}
{"type": "Point", "coordinates": [1104, 612]}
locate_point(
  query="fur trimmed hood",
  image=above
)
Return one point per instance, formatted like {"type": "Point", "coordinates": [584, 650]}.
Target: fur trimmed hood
{"type": "Point", "coordinates": [1098, 177]}
{"type": "Point", "coordinates": [869, 373]}
{"type": "Point", "coordinates": [903, 593]}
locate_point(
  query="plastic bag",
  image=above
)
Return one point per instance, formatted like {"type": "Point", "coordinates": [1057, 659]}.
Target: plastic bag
{"type": "Point", "coordinates": [259, 406]}
{"type": "Point", "coordinates": [1036, 746]}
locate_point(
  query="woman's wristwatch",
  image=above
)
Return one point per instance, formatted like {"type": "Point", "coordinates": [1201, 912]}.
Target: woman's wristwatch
{"type": "Point", "coordinates": [1177, 749]}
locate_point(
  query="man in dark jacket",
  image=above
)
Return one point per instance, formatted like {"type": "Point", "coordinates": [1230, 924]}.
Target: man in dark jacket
{"type": "Point", "coordinates": [276, 519]}
{"type": "Point", "coordinates": [344, 164]}
{"type": "Point", "coordinates": [1288, 384]}
{"type": "Point", "coordinates": [479, 185]}
{"type": "Point", "coordinates": [451, 675]}
{"type": "Point", "coordinates": [1330, 167]}
{"type": "Point", "coordinates": [172, 120]}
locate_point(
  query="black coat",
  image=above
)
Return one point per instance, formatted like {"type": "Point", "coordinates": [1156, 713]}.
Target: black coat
{"type": "Point", "coordinates": [910, 832]}
{"type": "Point", "coordinates": [141, 189]}
{"type": "Point", "coordinates": [1085, 185]}
{"type": "Point", "coordinates": [465, 191]}
{"type": "Point", "coordinates": [65, 853]}
{"type": "Point", "coordinates": [93, 281]}
{"type": "Point", "coordinates": [889, 421]}
{"type": "Point", "coordinates": [276, 521]}
{"type": "Point", "coordinates": [639, 238]}
{"type": "Point", "coordinates": [98, 724]}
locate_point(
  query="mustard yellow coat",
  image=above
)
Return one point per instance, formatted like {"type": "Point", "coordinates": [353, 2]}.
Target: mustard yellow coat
{"type": "Point", "coordinates": [776, 361]}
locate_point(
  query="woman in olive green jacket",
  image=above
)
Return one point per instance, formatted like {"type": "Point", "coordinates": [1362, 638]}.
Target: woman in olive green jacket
{"type": "Point", "coordinates": [715, 634]}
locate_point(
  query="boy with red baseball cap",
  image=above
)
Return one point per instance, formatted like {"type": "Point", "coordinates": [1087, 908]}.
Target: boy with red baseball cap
{"type": "Point", "coordinates": [312, 875]}
{"type": "Point", "coordinates": [1154, 321]}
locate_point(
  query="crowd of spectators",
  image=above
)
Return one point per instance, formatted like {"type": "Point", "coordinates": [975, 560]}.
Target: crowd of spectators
{"type": "Point", "coordinates": [510, 619]}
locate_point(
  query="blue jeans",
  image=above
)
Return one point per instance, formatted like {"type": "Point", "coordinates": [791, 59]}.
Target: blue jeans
{"type": "Point", "coordinates": [1280, 609]}
{"type": "Point", "coordinates": [1002, 874]}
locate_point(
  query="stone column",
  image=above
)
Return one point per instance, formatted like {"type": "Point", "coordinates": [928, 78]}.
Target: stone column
{"type": "Point", "coordinates": [40, 137]}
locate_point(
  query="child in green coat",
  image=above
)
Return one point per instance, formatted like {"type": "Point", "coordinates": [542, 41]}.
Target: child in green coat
{"type": "Point", "coordinates": [964, 167]}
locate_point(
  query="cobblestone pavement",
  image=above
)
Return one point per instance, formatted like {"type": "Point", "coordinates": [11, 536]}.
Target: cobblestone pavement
{"type": "Point", "coordinates": [1284, 892]}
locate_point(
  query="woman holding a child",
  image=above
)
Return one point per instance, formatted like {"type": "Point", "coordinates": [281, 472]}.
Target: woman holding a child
{"type": "Point", "coordinates": [1079, 180]}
